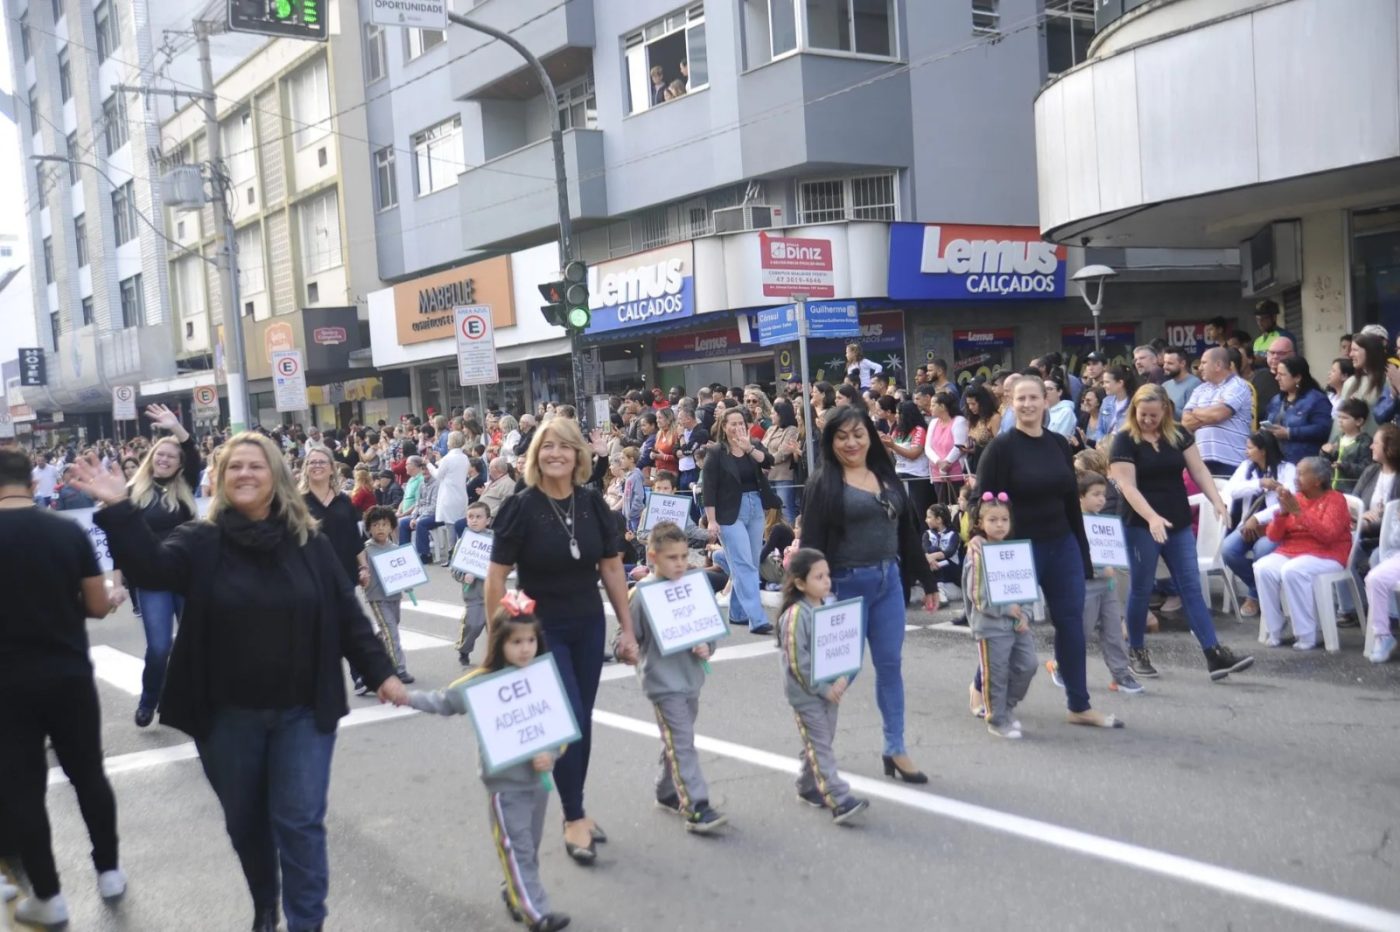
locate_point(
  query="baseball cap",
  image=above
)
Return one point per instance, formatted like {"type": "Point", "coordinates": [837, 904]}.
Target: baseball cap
{"type": "Point", "coordinates": [1094, 357]}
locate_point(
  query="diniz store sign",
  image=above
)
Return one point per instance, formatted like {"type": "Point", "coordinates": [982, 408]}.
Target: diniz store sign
{"type": "Point", "coordinates": [960, 262]}
{"type": "Point", "coordinates": [646, 288]}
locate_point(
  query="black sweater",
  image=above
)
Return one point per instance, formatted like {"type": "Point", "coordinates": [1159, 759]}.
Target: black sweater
{"type": "Point", "coordinates": [1037, 474]}
{"type": "Point", "coordinates": [188, 562]}
{"type": "Point", "coordinates": [162, 520]}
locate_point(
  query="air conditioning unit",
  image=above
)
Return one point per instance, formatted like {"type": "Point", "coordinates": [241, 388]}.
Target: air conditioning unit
{"type": "Point", "coordinates": [1271, 260]}
{"type": "Point", "coordinates": [743, 219]}
{"type": "Point", "coordinates": [182, 188]}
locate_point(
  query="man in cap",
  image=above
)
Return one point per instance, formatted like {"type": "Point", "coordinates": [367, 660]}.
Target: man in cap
{"type": "Point", "coordinates": [1266, 317]}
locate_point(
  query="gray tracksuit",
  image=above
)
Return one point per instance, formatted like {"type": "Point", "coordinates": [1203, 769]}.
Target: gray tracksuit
{"type": "Point", "coordinates": [517, 802]}
{"type": "Point", "coordinates": [673, 685]}
{"type": "Point", "coordinates": [1103, 616]}
{"type": "Point", "coordinates": [385, 608]}
{"type": "Point", "coordinates": [812, 706]}
{"type": "Point", "coordinates": [1007, 655]}
{"type": "Point", "coordinates": [474, 618]}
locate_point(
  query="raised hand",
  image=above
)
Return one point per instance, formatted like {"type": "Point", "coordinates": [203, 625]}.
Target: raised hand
{"type": "Point", "coordinates": [162, 417]}
{"type": "Point", "coordinates": [104, 485]}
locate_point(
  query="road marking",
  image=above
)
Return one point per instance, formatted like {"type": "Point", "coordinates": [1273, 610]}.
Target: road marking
{"type": "Point", "coordinates": [117, 668]}
{"type": "Point", "coordinates": [1222, 879]}
{"type": "Point", "coordinates": [451, 610]}
{"type": "Point", "coordinates": [417, 640]}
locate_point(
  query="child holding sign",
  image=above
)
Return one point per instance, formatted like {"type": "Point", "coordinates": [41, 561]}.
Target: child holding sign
{"type": "Point", "coordinates": [814, 704]}
{"type": "Point", "coordinates": [518, 795]}
{"type": "Point", "coordinates": [672, 682]}
{"type": "Point", "coordinates": [382, 523]}
{"type": "Point", "coordinates": [473, 589]}
{"type": "Point", "coordinates": [1003, 632]}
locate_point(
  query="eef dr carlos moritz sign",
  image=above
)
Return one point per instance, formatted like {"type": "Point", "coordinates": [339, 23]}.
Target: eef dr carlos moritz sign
{"type": "Point", "coordinates": [423, 306]}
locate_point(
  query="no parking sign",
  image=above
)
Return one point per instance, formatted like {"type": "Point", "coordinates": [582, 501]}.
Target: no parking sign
{"type": "Point", "coordinates": [206, 402]}
{"type": "Point", "coordinates": [124, 403]}
{"type": "Point", "coordinates": [289, 380]}
{"type": "Point", "coordinates": [476, 345]}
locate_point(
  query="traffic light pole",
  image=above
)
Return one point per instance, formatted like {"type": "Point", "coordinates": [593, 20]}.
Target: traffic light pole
{"type": "Point", "coordinates": [561, 186]}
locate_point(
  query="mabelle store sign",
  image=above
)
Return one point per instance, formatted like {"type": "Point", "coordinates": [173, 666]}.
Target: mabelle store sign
{"type": "Point", "coordinates": [423, 306]}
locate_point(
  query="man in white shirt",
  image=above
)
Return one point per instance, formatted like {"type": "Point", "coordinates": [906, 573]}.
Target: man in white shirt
{"type": "Point", "coordinates": [45, 477]}
{"type": "Point", "coordinates": [451, 476]}
{"type": "Point", "coordinates": [1219, 413]}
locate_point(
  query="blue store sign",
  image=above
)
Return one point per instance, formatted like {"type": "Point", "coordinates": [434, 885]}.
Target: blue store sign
{"type": "Point", "coordinates": [961, 262]}
{"type": "Point", "coordinates": [647, 288]}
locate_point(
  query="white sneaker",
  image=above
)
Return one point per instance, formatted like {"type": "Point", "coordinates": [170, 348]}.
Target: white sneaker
{"type": "Point", "coordinates": [111, 884]}
{"type": "Point", "coordinates": [1383, 648]}
{"type": "Point", "coordinates": [50, 912]}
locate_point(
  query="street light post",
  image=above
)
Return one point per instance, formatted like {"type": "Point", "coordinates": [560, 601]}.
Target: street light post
{"type": "Point", "coordinates": [1097, 275]}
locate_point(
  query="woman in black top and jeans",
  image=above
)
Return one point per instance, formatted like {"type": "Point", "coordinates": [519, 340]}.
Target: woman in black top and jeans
{"type": "Point", "coordinates": [558, 535]}
{"type": "Point", "coordinates": [255, 675]}
{"type": "Point", "coordinates": [869, 533]}
{"type": "Point", "coordinates": [1035, 468]}
{"type": "Point", "coordinates": [736, 496]}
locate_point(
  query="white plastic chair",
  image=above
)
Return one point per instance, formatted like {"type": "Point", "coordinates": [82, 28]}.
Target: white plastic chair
{"type": "Point", "coordinates": [1389, 547]}
{"type": "Point", "coordinates": [1210, 538]}
{"type": "Point", "coordinates": [1325, 586]}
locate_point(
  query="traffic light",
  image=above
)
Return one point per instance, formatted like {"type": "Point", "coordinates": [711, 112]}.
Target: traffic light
{"type": "Point", "coordinates": [576, 312]}
{"type": "Point", "coordinates": [295, 19]}
{"type": "Point", "coordinates": [553, 312]}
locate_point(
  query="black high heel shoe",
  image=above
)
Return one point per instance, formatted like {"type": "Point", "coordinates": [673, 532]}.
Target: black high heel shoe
{"type": "Point", "coordinates": [908, 776]}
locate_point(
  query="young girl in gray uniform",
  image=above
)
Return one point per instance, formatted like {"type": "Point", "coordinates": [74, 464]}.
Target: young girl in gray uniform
{"type": "Point", "coordinates": [806, 586]}
{"type": "Point", "coordinates": [517, 794]}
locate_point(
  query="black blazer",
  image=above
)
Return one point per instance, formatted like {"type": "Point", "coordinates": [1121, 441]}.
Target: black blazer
{"type": "Point", "coordinates": [819, 532]}
{"type": "Point", "coordinates": [186, 562]}
{"type": "Point", "coordinates": [720, 479]}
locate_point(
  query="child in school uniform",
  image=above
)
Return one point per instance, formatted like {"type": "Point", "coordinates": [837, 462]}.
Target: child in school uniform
{"type": "Point", "coordinates": [673, 684]}
{"type": "Point", "coordinates": [473, 589]}
{"type": "Point", "coordinates": [517, 795]}
{"type": "Point", "coordinates": [943, 549]}
{"type": "Point", "coordinates": [1103, 606]}
{"type": "Point", "coordinates": [381, 522]}
{"type": "Point", "coordinates": [806, 587]}
{"type": "Point", "coordinates": [1005, 645]}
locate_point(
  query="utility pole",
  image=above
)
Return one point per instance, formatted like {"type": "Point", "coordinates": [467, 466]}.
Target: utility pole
{"type": "Point", "coordinates": [561, 187]}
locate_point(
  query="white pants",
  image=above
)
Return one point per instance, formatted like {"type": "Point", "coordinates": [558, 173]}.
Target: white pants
{"type": "Point", "coordinates": [1276, 574]}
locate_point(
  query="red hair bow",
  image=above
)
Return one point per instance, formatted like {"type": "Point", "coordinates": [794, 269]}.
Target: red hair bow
{"type": "Point", "coordinates": [518, 603]}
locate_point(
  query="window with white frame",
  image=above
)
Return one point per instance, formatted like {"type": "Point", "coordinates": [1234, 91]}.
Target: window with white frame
{"type": "Point", "coordinates": [236, 141]}
{"type": "Point", "coordinates": [308, 93]}
{"type": "Point", "coordinates": [376, 53]}
{"type": "Point", "coordinates": [71, 146]}
{"type": "Point", "coordinates": [48, 260]}
{"type": "Point", "coordinates": [386, 187]}
{"type": "Point", "coordinates": [418, 41]}
{"type": "Point", "coordinates": [578, 104]}
{"type": "Point", "coordinates": [666, 59]}
{"type": "Point", "coordinates": [437, 157]}
{"type": "Point", "coordinates": [189, 286]}
{"type": "Point", "coordinates": [986, 17]}
{"type": "Point", "coordinates": [124, 213]}
{"type": "Point", "coordinates": [65, 77]}
{"type": "Point", "coordinates": [80, 238]}
{"type": "Point", "coordinates": [866, 197]}
{"type": "Point", "coordinates": [1069, 29]}
{"type": "Point", "coordinates": [319, 222]}
{"type": "Point", "coordinates": [133, 301]}
{"type": "Point", "coordinates": [114, 128]}
{"type": "Point", "coordinates": [109, 38]}
{"type": "Point", "coordinates": [252, 268]}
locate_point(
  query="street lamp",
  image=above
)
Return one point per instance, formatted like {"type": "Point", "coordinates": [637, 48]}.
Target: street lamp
{"type": "Point", "coordinates": [1094, 274]}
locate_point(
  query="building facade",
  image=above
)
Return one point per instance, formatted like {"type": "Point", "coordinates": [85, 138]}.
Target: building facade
{"type": "Point", "coordinates": [1191, 124]}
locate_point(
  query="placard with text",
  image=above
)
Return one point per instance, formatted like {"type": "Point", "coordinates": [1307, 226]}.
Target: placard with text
{"type": "Point", "coordinates": [661, 507]}
{"type": "Point", "coordinates": [1108, 544]}
{"type": "Point", "coordinates": [473, 554]}
{"type": "Point", "coordinates": [1010, 570]}
{"type": "Point", "coordinates": [838, 640]}
{"type": "Point", "coordinates": [519, 712]}
{"type": "Point", "coordinates": [398, 570]}
{"type": "Point", "coordinates": [682, 612]}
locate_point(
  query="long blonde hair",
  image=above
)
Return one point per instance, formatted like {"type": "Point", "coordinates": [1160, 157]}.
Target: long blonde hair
{"type": "Point", "coordinates": [566, 432]}
{"type": "Point", "coordinates": [287, 504]}
{"type": "Point", "coordinates": [1169, 429]}
{"type": "Point", "coordinates": [304, 485]}
{"type": "Point", "coordinates": [172, 493]}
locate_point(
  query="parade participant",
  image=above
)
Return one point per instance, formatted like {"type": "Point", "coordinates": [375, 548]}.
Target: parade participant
{"type": "Point", "coordinates": [783, 440]}
{"type": "Point", "coordinates": [379, 523]}
{"type": "Point", "coordinates": [1300, 415]}
{"type": "Point", "coordinates": [558, 535]}
{"type": "Point", "coordinates": [1312, 537]}
{"type": "Point", "coordinates": [473, 589]}
{"type": "Point", "coordinates": [869, 534]}
{"type": "Point", "coordinates": [1219, 413]}
{"type": "Point", "coordinates": [1005, 646]}
{"type": "Point", "coordinates": [736, 496]}
{"type": "Point", "coordinates": [944, 447]}
{"type": "Point", "coordinates": [672, 683]}
{"type": "Point", "coordinates": [517, 796]}
{"type": "Point", "coordinates": [1253, 493]}
{"type": "Point", "coordinates": [52, 584]}
{"type": "Point", "coordinates": [1034, 467]}
{"type": "Point", "coordinates": [814, 705]}
{"type": "Point", "coordinates": [1148, 458]}
{"type": "Point", "coordinates": [163, 488]}
{"type": "Point", "coordinates": [255, 674]}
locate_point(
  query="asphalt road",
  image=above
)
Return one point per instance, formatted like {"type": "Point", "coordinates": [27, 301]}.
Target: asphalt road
{"type": "Point", "coordinates": [1270, 801]}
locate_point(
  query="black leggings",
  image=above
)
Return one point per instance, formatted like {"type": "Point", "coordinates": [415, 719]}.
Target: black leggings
{"type": "Point", "coordinates": [66, 711]}
{"type": "Point", "coordinates": [577, 646]}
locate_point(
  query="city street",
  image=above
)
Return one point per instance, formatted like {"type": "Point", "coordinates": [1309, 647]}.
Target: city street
{"type": "Point", "coordinates": [1268, 801]}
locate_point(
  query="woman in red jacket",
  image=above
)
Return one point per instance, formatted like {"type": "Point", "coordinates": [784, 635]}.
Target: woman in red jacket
{"type": "Point", "coordinates": [1313, 533]}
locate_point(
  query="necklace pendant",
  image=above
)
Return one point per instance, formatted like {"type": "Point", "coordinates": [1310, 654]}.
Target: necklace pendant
{"type": "Point", "coordinates": [573, 549]}
{"type": "Point", "coordinates": [569, 521]}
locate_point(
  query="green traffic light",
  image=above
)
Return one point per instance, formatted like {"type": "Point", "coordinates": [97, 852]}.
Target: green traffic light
{"type": "Point", "coordinates": [283, 9]}
{"type": "Point", "coordinates": [579, 318]}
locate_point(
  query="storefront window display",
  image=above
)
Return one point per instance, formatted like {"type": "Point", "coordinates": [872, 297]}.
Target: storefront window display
{"type": "Point", "coordinates": [981, 353]}
{"type": "Point", "coordinates": [706, 357]}
{"type": "Point", "coordinates": [881, 340]}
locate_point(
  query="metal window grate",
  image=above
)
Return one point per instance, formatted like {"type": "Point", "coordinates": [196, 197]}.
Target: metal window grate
{"type": "Point", "coordinates": [653, 227]}
{"type": "Point", "coordinates": [821, 201]}
{"type": "Point", "coordinates": [986, 16]}
{"type": "Point", "coordinates": [873, 198]}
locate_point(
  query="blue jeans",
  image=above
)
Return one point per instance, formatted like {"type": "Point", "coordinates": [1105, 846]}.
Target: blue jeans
{"type": "Point", "coordinates": [1235, 552]}
{"type": "Point", "coordinates": [420, 535]}
{"type": "Point", "coordinates": [787, 491]}
{"type": "Point", "coordinates": [1059, 568]}
{"type": "Point", "coordinates": [577, 646]}
{"type": "Point", "coordinates": [743, 542]}
{"type": "Point", "coordinates": [158, 613]}
{"type": "Point", "coordinates": [405, 532]}
{"type": "Point", "coordinates": [271, 769]}
{"type": "Point", "coordinates": [883, 609]}
{"type": "Point", "coordinates": [1180, 553]}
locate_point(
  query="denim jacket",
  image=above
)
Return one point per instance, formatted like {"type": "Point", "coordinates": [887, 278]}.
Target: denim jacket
{"type": "Point", "coordinates": [1309, 422]}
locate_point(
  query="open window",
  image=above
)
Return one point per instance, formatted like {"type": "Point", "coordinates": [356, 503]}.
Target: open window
{"type": "Point", "coordinates": [666, 59]}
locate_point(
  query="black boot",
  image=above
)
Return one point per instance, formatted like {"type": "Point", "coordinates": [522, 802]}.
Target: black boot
{"type": "Point", "coordinates": [265, 920]}
{"type": "Point", "coordinates": [550, 922]}
{"type": "Point", "coordinates": [1221, 661]}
